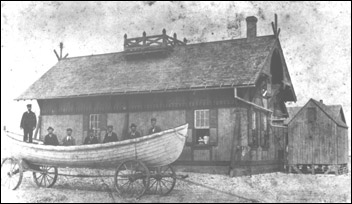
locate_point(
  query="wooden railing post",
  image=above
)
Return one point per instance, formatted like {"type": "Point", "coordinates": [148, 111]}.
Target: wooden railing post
{"type": "Point", "coordinates": [125, 41]}
{"type": "Point", "coordinates": [175, 39]}
{"type": "Point", "coordinates": [144, 38]}
{"type": "Point", "coordinates": [164, 38]}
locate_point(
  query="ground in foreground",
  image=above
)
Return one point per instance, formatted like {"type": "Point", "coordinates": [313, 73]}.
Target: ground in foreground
{"type": "Point", "coordinates": [275, 187]}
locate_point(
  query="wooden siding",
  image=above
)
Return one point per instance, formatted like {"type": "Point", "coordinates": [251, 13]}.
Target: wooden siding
{"type": "Point", "coordinates": [229, 122]}
{"type": "Point", "coordinates": [315, 140]}
{"type": "Point", "coordinates": [138, 102]}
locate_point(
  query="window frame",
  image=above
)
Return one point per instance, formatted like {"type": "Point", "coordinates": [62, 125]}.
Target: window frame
{"type": "Point", "coordinates": [206, 119]}
{"type": "Point", "coordinates": [95, 123]}
{"type": "Point", "coordinates": [203, 114]}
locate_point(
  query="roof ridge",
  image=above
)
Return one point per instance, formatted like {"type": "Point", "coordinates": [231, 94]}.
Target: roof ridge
{"type": "Point", "coordinates": [192, 44]}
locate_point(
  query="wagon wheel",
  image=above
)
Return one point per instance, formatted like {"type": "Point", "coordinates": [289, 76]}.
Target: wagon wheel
{"type": "Point", "coordinates": [162, 180]}
{"type": "Point", "coordinates": [46, 177]}
{"type": "Point", "coordinates": [11, 173]}
{"type": "Point", "coordinates": [132, 179]}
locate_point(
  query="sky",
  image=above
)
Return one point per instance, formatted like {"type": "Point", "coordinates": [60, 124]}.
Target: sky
{"type": "Point", "coordinates": [315, 37]}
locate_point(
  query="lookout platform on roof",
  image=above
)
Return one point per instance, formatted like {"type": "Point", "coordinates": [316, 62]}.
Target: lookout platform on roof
{"type": "Point", "coordinates": [151, 44]}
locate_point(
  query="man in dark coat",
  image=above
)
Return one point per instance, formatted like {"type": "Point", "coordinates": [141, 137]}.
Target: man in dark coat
{"type": "Point", "coordinates": [69, 140]}
{"type": "Point", "coordinates": [28, 124]}
{"type": "Point", "coordinates": [110, 136]}
{"type": "Point", "coordinates": [154, 128]}
{"type": "Point", "coordinates": [91, 138]}
{"type": "Point", "coordinates": [133, 133]}
{"type": "Point", "coordinates": [51, 138]}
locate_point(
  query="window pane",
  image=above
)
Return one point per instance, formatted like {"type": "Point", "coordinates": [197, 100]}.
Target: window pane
{"type": "Point", "coordinates": [254, 121]}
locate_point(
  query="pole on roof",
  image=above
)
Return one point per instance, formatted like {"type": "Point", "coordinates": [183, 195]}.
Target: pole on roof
{"type": "Point", "coordinates": [61, 45]}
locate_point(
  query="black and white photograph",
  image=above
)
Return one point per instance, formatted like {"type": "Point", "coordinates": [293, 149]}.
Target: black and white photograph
{"type": "Point", "coordinates": [175, 101]}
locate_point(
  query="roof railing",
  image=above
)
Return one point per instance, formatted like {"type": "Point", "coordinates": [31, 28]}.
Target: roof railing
{"type": "Point", "coordinates": [153, 42]}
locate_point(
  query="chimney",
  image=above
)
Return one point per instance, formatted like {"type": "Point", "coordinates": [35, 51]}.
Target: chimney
{"type": "Point", "coordinates": [251, 27]}
{"type": "Point", "coordinates": [321, 101]}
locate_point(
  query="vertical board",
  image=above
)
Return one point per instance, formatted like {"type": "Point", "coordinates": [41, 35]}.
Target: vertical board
{"type": "Point", "coordinates": [189, 136]}
{"type": "Point", "coordinates": [234, 157]}
{"type": "Point", "coordinates": [331, 143]}
{"type": "Point", "coordinates": [201, 155]}
{"type": "Point", "coordinates": [190, 118]}
{"type": "Point", "coordinates": [213, 136]}
{"type": "Point", "coordinates": [186, 154]}
{"type": "Point", "coordinates": [244, 127]}
{"type": "Point", "coordinates": [213, 116]}
{"type": "Point", "coordinates": [226, 124]}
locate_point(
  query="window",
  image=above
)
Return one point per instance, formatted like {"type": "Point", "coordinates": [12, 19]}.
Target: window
{"type": "Point", "coordinates": [254, 129]}
{"type": "Point", "coordinates": [311, 114]}
{"type": "Point", "coordinates": [94, 123]}
{"type": "Point", "coordinates": [201, 119]}
{"type": "Point", "coordinates": [201, 125]}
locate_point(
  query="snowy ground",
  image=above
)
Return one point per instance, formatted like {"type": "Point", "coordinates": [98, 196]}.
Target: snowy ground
{"type": "Point", "coordinates": [275, 187]}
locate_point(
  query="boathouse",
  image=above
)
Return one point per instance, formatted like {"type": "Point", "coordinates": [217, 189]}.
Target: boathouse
{"type": "Point", "coordinates": [229, 90]}
{"type": "Point", "coordinates": [317, 138]}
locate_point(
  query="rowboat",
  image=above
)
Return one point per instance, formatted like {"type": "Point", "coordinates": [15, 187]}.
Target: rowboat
{"type": "Point", "coordinates": [158, 149]}
{"type": "Point", "coordinates": [144, 160]}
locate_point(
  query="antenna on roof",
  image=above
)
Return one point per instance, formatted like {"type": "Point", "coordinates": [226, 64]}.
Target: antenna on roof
{"type": "Point", "coordinates": [61, 48]}
{"type": "Point", "coordinates": [274, 26]}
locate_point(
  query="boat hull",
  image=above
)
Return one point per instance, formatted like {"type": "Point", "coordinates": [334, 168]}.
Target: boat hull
{"type": "Point", "coordinates": [155, 150]}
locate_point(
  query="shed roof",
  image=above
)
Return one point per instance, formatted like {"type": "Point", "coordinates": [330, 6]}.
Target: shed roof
{"type": "Point", "coordinates": [332, 111]}
{"type": "Point", "coordinates": [204, 65]}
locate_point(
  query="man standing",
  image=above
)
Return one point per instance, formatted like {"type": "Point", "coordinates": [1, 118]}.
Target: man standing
{"type": "Point", "coordinates": [154, 128]}
{"type": "Point", "coordinates": [51, 138]}
{"type": "Point", "coordinates": [91, 138]}
{"type": "Point", "coordinates": [110, 136]}
{"type": "Point", "coordinates": [68, 140]}
{"type": "Point", "coordinates": [28, 124]}
{"type": "Point", "coordinates": [133, 133]}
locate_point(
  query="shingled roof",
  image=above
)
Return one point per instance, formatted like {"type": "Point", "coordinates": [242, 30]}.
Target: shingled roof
{"type": "Point", "coordinates": [204, 65]}
{"type": "Point", "coordinates": [332, 111]}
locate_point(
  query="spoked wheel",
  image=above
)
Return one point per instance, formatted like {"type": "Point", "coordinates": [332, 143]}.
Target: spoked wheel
{"type": "Point", "coordinates": [162, 180]}
{"type": "Point", "coordinates": [46, 177]}
{"type": "Point", "coordinates": [132, 179]}
{"type": "Point", "coordinates": [11, 173]}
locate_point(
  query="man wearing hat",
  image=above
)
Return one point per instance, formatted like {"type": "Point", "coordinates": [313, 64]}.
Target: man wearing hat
{"type": "Point", "coordinates": [28, 124]}
{"type": "Point", "coordinates": [51, 138]}
{"type": "Point", "coordinates": [133, 133]}
{"type": "Point", "coordinates": [110, 136]}
{"type": "Point", "coordinates": [154, 128]}
{"type": "Point", "coordinates": [68, 140]}
{"type": "Point", "coordinates": [91, 138]}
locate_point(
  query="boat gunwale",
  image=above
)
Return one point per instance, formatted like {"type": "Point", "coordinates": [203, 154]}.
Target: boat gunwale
{"type": "Point", "coordinates": [100, 145]}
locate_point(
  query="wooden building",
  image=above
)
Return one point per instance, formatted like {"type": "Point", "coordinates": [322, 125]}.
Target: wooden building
{"type": "Point", "coordinates": [228, 90]}
{"type": "Point", "coordinates": [317, 138]}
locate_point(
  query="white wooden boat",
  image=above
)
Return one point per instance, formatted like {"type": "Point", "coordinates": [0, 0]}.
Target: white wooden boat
{"type": "Point", "coordinates": [154, 150]}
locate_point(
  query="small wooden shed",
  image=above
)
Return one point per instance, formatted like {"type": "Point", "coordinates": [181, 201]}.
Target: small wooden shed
{"type": "Point", "coordinates": [317, 138]}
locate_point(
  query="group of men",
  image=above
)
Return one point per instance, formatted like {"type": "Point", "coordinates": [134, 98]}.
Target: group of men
{"type": "Point", "coordinates": [28, 124]}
